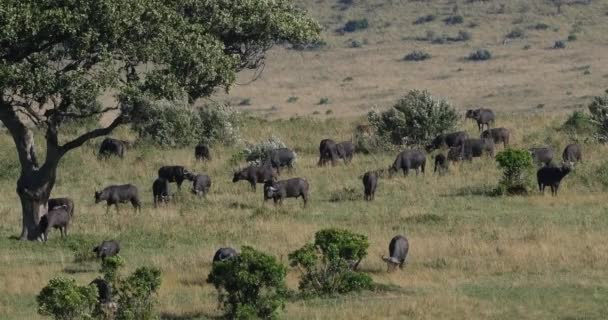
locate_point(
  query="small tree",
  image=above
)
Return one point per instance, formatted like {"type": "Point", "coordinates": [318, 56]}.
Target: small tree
{"type": "Point", "coordinates": [110, 267]}
{"type": "Point", "coordinates": [599, 116]}
{"type": "Point", "coordinates": [415, 119]}
{"type": "Point", "coordinates": [250, 285]}
{"type": "Point", "coordinates": [328, 264]}
{"type": "Point", "coordinates": [63, 299]}
{"type": "Point", "coordinates": [136, 295]}
{"type": "Point", "coordinates": [516, 165]}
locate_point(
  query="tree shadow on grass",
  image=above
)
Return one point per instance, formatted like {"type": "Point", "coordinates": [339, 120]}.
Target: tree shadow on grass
{"type": "Point", "coordinates": [188, 316]}
{"type": "Point", "coordinates": [483, 191]}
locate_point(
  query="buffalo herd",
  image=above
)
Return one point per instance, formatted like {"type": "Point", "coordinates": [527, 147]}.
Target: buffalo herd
{"type": "Point", "coordinates": [459, 145]}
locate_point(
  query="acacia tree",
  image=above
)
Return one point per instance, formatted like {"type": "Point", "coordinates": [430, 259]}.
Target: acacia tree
{"type": "Point", "coordinates": [58, 57]}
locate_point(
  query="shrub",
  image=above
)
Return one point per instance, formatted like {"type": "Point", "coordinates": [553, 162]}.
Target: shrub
{"type": "Point", "coordinates": [480, 55]}
{"type": "Point", "coordinates": [599, 116]}
{"type": "Point", "coordinates": [463, 36]}
{"type": "Point", "coordinates": [245, 102]}
{"type": "Point", "coordinates": [515, 34]}
{"type": "Point", "coordinates": [258, 153]}
{"type": "Point", "coordinates": [178, 124]}
{"type": "Point", "coordinates": [455, 19]}
{"type": "Point", "coordinates": [250, 285]}
{"type": "Point", "coordinates": [559, 44]}
{"type": "Point", "coordinates": [368, 142]}
{"type": "Point", "coordinates": [63, 299]}
{"type": "Point", "coordinates": [425, 19]}
{"type": "Point", "coordinates": [572, 37]}
{"type": "Point", "coordinates": [346, 194]}
{"type": "Point", "coordinates": [324, 100]}
{"type": "Point", "coordinates": [136, 297]}
{"type": "Point", "coordinates": [292, 99]}
{"type": "Point", "coordinates": [540, 26]}
{"type": "Point", "coordinates": [328, 264]}
{"type": "Point", "coordinates": [109, 268]}
{"type": "Point", "coordinates": [516, 165]}
{"type": "Point", "coordinates": [579, 123]}
{"type": "Point", "coordinates": [417, 55]}
{"type": "Point", "coordinates": [355, 25]}
{"type": "Point", "coordinates": [415, 119]}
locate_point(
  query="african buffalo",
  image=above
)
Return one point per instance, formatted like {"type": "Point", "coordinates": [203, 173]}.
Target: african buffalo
{"type": "Point", "coordinates": [281, 157]}
{"type": "Point", "coordinates": [455, 154]}
{"type": "Point", "coordinates": [498, 135]}
{"type": "Point", "coordinates": [449, 140]}
{"type": "Point", "coordinates": [61, 202]}
{"type": "Point", "coordinates": [474, 148]}
{"type": "Point", "coordinates": [175, 174]}
{"type": "Point", "coordinates": [223, 254]}
{"type": "Point", "coordinates": [542, 155]}
{"type": "Point", "coordinates": [255, 174]}
{"type": "Point", "coordinates": [346, 150]}
{"type": "Point", "coordinates": [115, 194]}
{"type": "Point", "coordinates": [112, 147]}
{"type": "Point", "coordinates": [397, 249]}
{"type": "Point", "coordinates": [202, 152]}
{"type": "Point", "coordinates": [370, 182]}
{"type": "Point", "coordinates": [108, 248]}
{"type": "Point", "coordinates": [290, 188]}
{"type": "Point", "coordinates": [58, 218]}
{"type": "Point", "coordinates": [201, 184]}
{"type": "Point", "coordinates": [572, 153]}
{"type": "Point", "coordinates": [160, 190]}
{"type": "Point", "coordinates": [408, 160]}
{"type": "Point", "coordinates": [441, 164]}
{"type": "Point", "coordinates": [551, 176]}
{"type": "Point", "coordinates": [482, 116]}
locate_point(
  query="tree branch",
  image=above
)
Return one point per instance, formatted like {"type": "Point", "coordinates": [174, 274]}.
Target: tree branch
{"type": "Point", "coordinates": [92, 134]}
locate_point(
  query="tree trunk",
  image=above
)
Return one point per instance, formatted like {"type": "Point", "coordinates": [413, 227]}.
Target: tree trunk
{"type": "Point", "coordinates": [34, 190]}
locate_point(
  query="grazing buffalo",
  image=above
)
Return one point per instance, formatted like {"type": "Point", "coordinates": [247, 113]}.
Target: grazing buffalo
{"type": "Point", "coordinates": [108, 248]}
{"type": "Point", "coordinates": [455, 139]}
{"type": "Point", "coordinates": [543, 155]}
{"type": "Point", "coordinates": [346, 150]}
{"type": "Point", "coordinates": [370, 182]}
{"type": "Point", "coordinates": [483, 117]}
{"type": "Point", "coordinates": [175, 174]}
{"type": "Point", "coordinates": [328, 151]}
{"type": "Point", "coordinates": [255, 174]}
{"type": "Point", "coordinates": [475, 148]}
{"type": "Point", "coordinates": [58, 218]}
{"type": "Point", "coordinates": [223, 254]}
{"type": "Point", "coordinates": [112, 147]}
{"type": "Point", "coordinates": [160, 190]}
{"type": "Point", "coordinates": [115, 194]}
{"type": "Point", "coordinates": [551, 176]}
{"type": "Point", "coordinates": [104, 290]}
{"type": "Point", "coordinates": [397, 250]}
{"type": "Point", "coordinates": [201, 184]}
{"type": "Point", "coordinates": [498, 135]}
{"type": "Point", "coordinates": [408, 160]}
{"type": "Point", "coordinates": [290, 188]}
{"type": "Point", "coordinates": [62, 202]}
{"type": "Point", "coordinates": [455, 154]}
{"type": "Point", "coordinates": [441, 164]}
{"type": "Point", "coordinates": [572, 153]}
{"type": "Point", "coordinates": [282, 157]}
{"type": "Point", "coordinates": [202, 152]}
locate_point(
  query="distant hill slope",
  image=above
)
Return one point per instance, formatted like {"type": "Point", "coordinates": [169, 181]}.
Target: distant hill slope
{"type": "Point", "coordinates": [355, 71]}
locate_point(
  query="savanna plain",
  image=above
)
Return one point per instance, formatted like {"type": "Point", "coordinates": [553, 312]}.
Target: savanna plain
{"type": "Point", "coordinates": [472, 256]}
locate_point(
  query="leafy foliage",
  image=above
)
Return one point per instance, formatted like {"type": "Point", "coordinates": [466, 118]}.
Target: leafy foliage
{"type": "Point", "coordinates": [356, 25]}
{"type": "Point", "coordinates": [415, 119]}
{"type": "Point", "coordinates": [579, 123]}
{"type": "Point", "coordinates": [599, 116]}
{"type": "Point", "coordinates": [136, 297]}
{"type": "Point", "coordinates": [63, 299]}
{"type": "Point", "coordinates": [516, 165]}
{"type": "Point", "coordinates": [328, 264]}
{"type": "Point", "coordinates": [109, 268]}
{"type": "Point", "coordinates": [417, 55]}
{"type": "Point", "coordinates": [559, 44]}
{"type": "Point", "coordinates": [258, 153]}
{"type": "Point", "coordinates": [250, 285]}
{"type": "Point", "coordinates": [480, 55]}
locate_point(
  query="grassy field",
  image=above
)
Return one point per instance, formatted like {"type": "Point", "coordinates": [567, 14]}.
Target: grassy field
{"type": "Point", "coordinates": [472, 256]}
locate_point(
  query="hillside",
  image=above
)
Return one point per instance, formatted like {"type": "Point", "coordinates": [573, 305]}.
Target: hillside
{"type": "Point", "coordinates": [523, 73]}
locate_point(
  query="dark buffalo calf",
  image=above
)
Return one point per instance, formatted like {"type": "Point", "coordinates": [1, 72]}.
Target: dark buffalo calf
{"type": "Point", "coordinates": [113, 195]}
{"type": "Point", "coordinates": [108, 248]}
{"type": "Point", "coordinates": [441, 164]}
{"type": "Point", "coordinates": [104, 290]}
{"type": "Point", "coordinates": [370, 182]}
{"type": "Point", "coordinates": [483, 117]}
{"type": "Point", "coordinates": [160, 190]}
{"type": "Point", "coordinates": [58, 218]}
{"type": "Point", "coordinates": [572, 153]}
{"type": "Point", "coordinates": [290, 188]}
{"type": "Point", "coordinates": [328, 151]}
{"type": "Point", "coordinates": [223, 254]}
{"type": "Point", "coordinates": [175, 174]}
{"type": "Point", "coordinates": [112, 147]}
{"type": "Point", "coordinates": [397, 249]}
{"type": "Point", "coordinates": [498, 135]}
{"type": "Point", "coordinates": [543, 155]}
{"type": "Point", "coordinates": [202, 152]}
{"type": "Point", "coordinates": [474, 148]}
{"type": "Point", "coordinates": [61, 202]}
{"type": "Point", "coordinates": [551, 176]}
{"type": "Point", "coordinates": [280, 158]}
{"type": "Point", "coordinates": [255, 174]}
{"type": "Point", "coordinates": [455, 139]}
{"type": "Point", "coordinates": [408, 160]}
{"type": "Point", "coordinates": [201, 184]}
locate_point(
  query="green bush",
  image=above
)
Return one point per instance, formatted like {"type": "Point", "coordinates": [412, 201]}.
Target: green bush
{"type": "Point", "coordinates": [416, 119]}
{"type": "Point", "coordinates": [455, 19]}
{"type": "Point", "coordinates": [136, 294]}
{"type": "Point", "coordinates": [480, 55]}
{"type": "Point", "coordinates": [559, 44]}
{"type": "Point", "coordinates": [417, 55]}
{"type": "Point", "coordinates": [515, 34]}
{"type": "Point", "coordinates": [63, 299]}
{"type": "Point", "coordinates": [109, 268]}
{"type": "Point", "coordinates": [258, 153]}
{"type": "Point", "coordinates": [425, 19]}
{"type": "Point", "coordinates": [516, 165]}
{"type": "Point", "coordinates": [179, 124]}
{"type": "Point", "coordinates": [599, 116]}
{"type": "Point", "coordinates": [356, 25]}
{"type": "Point", "coordinates": [328, 265]}
{"type": "Point", "coordinates": [250, 285]}
{"type": "Point", "coordinates": [579, 123]}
